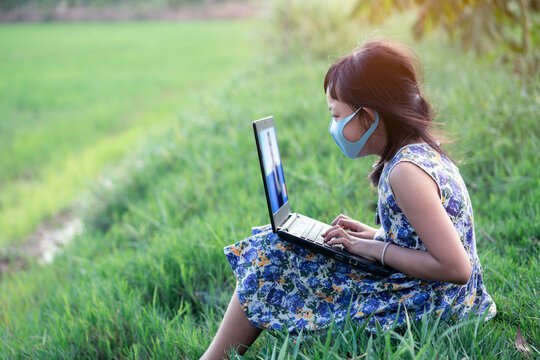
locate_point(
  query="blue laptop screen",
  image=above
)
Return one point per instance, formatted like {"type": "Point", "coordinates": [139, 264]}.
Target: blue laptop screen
{"type": "Point", "coordinates": [272, 168]}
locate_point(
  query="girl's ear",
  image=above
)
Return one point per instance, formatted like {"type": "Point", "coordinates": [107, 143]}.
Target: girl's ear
{"type": "Point", "coordinates": [381, 127]}
{"type": "Point", "coordinates": [370, 113]}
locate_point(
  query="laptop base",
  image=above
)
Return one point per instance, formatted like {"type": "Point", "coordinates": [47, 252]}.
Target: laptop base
{"type": "Point", "coordinates": [371, 267]}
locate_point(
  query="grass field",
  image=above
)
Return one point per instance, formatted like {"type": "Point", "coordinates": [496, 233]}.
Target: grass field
{"type": "Point", "coordinates": [75, 97]}
{"type": "Point", "coordinates": [148, 278]}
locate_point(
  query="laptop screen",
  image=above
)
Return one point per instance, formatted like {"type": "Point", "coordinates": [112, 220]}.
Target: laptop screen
{"type": "Point", "coordinates": [277, 190]}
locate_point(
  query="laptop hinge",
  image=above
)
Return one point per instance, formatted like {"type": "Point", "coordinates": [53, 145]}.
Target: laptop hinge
{"type": "Point", "coordinates": [287, 224]}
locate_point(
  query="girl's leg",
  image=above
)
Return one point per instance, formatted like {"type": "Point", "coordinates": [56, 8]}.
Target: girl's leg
{"type": "Point", "coordinates": [235, 330]}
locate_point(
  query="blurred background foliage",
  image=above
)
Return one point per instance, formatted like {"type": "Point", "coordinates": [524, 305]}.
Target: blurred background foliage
{"type": "Point", "coordinates": [311, 28]}
{"type": "Point", "coordinates": [507, 29]}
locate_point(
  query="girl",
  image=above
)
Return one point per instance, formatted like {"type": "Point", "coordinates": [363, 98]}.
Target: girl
{"type": "Point", "coordinates": [426, 232]}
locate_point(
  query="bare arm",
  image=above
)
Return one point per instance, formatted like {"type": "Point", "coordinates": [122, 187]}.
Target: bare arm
{"type": "Point", "coordinates": [418, 196]}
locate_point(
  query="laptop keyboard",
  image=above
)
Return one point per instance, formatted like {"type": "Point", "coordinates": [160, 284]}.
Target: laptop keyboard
{"type": "Point", "coordinates": [311, 230]}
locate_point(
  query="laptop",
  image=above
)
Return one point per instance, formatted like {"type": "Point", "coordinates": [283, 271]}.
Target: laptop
{"type": "Point", "coordinates": [297, 228]}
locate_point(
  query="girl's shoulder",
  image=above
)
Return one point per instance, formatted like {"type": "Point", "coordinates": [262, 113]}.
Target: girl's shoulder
{"type": "Point", "coordinates": [425, 157]}
{"type": "Point", "coordinates": [421, 153]}
{"type": "Point", "coordinates": [415, 151]}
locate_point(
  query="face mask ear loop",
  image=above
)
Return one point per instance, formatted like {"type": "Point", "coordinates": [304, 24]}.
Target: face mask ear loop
{"type": "Point", "coordinates": [348, 117]}
{"type": "Point", "coordinates": [374, 126]}
{"type": "Point", "coordinates": [368, 133]}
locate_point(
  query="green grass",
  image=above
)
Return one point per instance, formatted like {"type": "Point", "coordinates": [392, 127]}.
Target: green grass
{"type": "Point", "coordinates": [76, 97]}
{"type": "Point", "coordinates": [148, 278]}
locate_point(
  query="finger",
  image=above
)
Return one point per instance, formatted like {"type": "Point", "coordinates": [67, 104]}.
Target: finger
{"type": "Point", "coordinates": [360, 235]}
{"type": "Point", "coordinates": [333, 228]}
{"type": "Point", "coordinates": [348, 224]}
{"type": "Point", "coordinates": [335, 233]}
{"type": "Point", "coordinates": [339, 217]}
{"type": "Point", "coordinates": [340, 240]}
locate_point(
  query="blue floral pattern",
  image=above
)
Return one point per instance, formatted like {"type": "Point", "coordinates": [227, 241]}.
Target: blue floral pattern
{"type": "Point", "coordinates": [281, 285]}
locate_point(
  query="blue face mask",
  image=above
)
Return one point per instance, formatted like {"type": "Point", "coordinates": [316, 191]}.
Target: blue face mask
{"type": "Point", "coordinates": [351, 149]}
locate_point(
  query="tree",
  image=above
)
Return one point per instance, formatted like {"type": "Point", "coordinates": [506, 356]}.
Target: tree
{"type": "Point", "coordinates": [511, 27]}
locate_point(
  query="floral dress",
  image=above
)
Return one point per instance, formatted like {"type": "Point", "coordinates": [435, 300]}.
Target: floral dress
{"type": "Point", "coordinates": [282, 285]}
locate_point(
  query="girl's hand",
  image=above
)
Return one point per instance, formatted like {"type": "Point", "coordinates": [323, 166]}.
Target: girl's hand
{"type": "Point", "coordinates": [355, 245]}
{"type": "Point", "coordinates": [357, 228]}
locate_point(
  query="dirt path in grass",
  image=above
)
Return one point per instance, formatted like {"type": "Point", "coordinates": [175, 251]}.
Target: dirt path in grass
{"type": "Point", "coordinates": [49, 237]}
{"type": "Point", "coordinates": [43, 244]}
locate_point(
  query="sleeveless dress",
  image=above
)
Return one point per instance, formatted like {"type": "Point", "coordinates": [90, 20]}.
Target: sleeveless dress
{"type": "Point", "coordinates": [282, 285]}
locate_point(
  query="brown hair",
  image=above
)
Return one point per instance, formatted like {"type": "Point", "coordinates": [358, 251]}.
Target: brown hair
{"type": "Point", "coordinates": [383, 76]}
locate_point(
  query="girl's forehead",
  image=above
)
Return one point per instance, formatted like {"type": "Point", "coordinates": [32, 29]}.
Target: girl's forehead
{"type": "Point", "coordinates": [333, 103]}
{"type": "Point", "coordinates": [330, 99]}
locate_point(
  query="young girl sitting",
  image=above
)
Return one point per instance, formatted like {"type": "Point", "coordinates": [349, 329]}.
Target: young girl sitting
{"type": "Point", "coordinates": [426, 218]}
